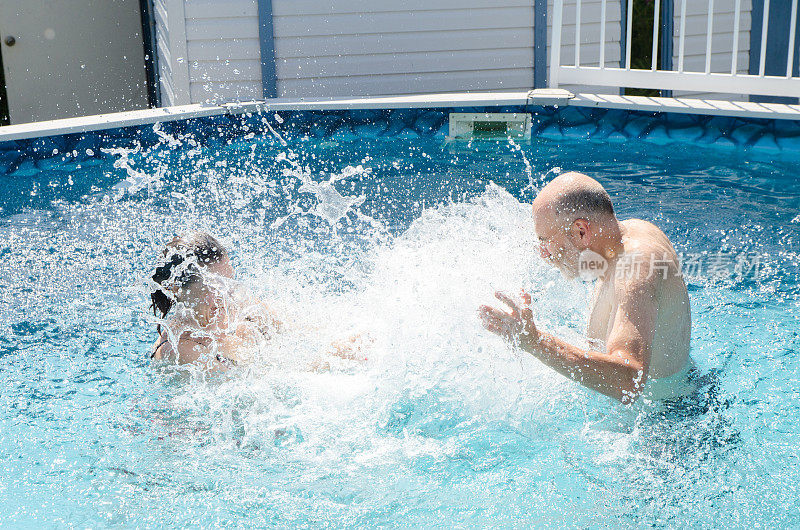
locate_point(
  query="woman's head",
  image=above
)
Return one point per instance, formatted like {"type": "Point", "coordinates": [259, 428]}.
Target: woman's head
{"type": "Point", "coordinates": [184, 261]}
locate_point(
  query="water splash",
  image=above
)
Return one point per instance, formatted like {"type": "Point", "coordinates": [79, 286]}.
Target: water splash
{"type": "Point", "coordinates": [443, 419]}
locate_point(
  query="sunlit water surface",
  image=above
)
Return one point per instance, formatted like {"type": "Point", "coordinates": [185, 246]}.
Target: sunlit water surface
{"type": "Point", "coordinates": [444, 425]}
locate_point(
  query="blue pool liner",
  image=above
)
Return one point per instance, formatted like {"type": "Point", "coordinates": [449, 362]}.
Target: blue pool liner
{"type": "Point", "coordinates": [29, 156]}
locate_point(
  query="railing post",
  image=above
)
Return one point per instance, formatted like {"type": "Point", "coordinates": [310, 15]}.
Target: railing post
{"type": "Point", "coordinates": [709, 34]}
{"type": "Point", "coordinates": [629, 35]}
{"type": "Point", "coordinates": [602, 34]}
{"type": "Point", "coordinates": [762, 60]}
{"type": "Point", "coordinates": [578, 33]}
{"type": "Point", "coordinates": [654, 56]}
{"type": "Point", "coordinates": [792, 32]}
{"type": "Point", "coordinates": [682, 41]}
{"type": "Point", "coordinates": [774, 82]}
{"type": "Point", "coordinates": [736, 22]}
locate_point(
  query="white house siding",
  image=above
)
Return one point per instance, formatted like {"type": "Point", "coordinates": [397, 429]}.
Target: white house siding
{"type": "Point", "coordinates": [209, 50]}
{"type": "Point", "coordinates": [346, 47]}
{"type": "Point", "coordinates": [163, 53]}
{"type": "Point", "coordinates": [171, 51]}
{"type": "Point", "coordinates": [224, 51]}
{"type": "Point", "coordinates": [352, 47]}
{"type": "Point", "coordinates": [589, 37]}
{"type": "Point", "coordinates": [721, 41]}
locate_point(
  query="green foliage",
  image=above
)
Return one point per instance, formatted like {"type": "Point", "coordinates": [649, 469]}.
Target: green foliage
{"type": "Point", "coordinates": [642, 43]}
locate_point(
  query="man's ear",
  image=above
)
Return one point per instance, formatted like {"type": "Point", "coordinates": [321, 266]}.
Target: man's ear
{"type": "Point", "coordinates": [580, 231]}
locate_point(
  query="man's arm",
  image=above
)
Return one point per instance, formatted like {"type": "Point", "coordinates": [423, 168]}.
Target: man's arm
{"type": "Point", "coordinates": [621, 372]}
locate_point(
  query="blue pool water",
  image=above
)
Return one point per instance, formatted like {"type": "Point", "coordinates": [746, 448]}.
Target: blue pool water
{"type": "Point", "coordinates": [444, 425]}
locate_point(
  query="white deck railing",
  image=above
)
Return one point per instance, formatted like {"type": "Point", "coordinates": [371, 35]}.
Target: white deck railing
{"type": "Point", "coordinates": [679, 79]}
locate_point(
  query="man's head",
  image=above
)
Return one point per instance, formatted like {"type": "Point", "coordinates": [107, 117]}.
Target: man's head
{"type": "Point", "coordinates": [185, 261]}
{"type": "Point", "coordinates": [573, 213]}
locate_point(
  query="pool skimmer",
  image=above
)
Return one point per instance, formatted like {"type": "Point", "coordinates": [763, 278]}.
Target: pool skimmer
{"type": "Point", "coordinates": [489, 125]}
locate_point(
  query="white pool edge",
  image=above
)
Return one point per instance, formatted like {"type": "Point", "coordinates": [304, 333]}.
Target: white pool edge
{"type": "Point", "coordinates": [540, 97]}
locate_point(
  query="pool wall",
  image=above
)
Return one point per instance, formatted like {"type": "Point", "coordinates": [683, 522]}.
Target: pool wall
{"type": "Point", "coordinates": [29, 156]}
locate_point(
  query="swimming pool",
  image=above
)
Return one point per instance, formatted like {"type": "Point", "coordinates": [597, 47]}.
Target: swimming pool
{"type": "Point", "coordinates": [444, 425]}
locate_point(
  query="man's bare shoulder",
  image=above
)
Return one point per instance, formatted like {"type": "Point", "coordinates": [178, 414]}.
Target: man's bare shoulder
{"type": "Point", "coordinates": [649, 257]}
{"type": "Point", "coordinates": [646, 238]}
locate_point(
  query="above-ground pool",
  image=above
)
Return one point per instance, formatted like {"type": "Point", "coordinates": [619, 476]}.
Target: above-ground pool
{"type": "Point", "coordinates": [400, 236]}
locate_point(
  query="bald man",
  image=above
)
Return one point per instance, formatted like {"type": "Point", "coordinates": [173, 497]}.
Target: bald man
{"type": "Point", "coordinates": [639, 325]}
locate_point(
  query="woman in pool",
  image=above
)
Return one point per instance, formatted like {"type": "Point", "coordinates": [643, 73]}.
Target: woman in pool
{"type": "Point", "coordinates": [209, 318]}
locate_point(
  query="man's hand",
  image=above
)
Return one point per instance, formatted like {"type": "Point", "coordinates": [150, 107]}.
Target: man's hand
{"type": "Point", "coordinates": [516, 326]}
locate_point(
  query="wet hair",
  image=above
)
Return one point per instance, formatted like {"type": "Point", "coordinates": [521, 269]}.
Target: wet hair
{"type": "Point", "coordinates": [183, 258]}
{"type": "Point", "coordinates": [582, 201]}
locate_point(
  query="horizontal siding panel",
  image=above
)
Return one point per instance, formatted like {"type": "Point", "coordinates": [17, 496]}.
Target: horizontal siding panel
{"type": "Point", "coordinates": [590, 55]}
{"type": "Point", "coordinates": [290, 47]}
{"type": "Point", "coordinates": [163, 50]}
{"type": "Point", "coordinates": [720, 6]}
{"type": "Point", "coordinates": [221, 8]}
{"type": "Point", "coordinates": [164, 62]}
{"type": "Point", "coordinates": [590, 12]}
{"type": "Point", "coordinates": [348, 47]}
{"type": "Point", "coordinates": [220, 92]}
{"type": "Point", "coordinates": [225, 71]}
{"type": "Point", "coordinates": [159, 6]}
{"type": "Point", "coordinates": [503, 79]}
{"type": "Point", "coordinates": [593, 58]}
{"type": "Point", "coordinates": [357, 24]}
{"type": "Point", "coordinates": [590, 34]}
{"type": "Point", "coordinates": [163, 53]}
{"type": "Point", "coordinates": [723, 23]}
{"type": "Point", "coordinates": [167, 94]}
{"type": "Point", "coordinates": [224, 49]}
{"type": "Point", "coordinates": [404, 63]}
{"type": "Point", "coordinates": [590, 44]}
{"type": "Point", "coordinates": [160, 16]}
{"type": "Point", "coordinates": [720, 63]}
{"type": "Point", "coordinates": [720, 43]}
{"type": "Point", "coordinates": [222, 28]}
{"type": "Point", "coordinates": [316, 7]}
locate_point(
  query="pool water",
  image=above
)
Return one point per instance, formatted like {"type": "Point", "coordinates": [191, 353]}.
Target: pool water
{"type": "Point", "coordinates": [444, 425]}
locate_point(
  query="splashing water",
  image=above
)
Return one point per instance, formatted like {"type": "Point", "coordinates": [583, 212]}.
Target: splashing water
{"type": "Point", "coordinates": [443, 421]}
{"type": "Point", "coordinates": [331, 205]}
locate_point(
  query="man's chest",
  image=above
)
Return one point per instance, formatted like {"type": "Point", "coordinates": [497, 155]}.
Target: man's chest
{"type": "Point", "coordinates": [602, 311]}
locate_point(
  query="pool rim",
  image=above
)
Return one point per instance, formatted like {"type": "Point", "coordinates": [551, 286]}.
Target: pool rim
{"type": "Point", "coordinates": [539, 97]}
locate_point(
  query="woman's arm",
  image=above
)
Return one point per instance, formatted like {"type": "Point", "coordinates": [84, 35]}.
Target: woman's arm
{"type": "Point", "coordinates": [162, 348]}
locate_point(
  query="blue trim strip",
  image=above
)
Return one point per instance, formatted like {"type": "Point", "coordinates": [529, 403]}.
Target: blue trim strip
{"type": "Point", "coordinates": [777, 43]}
{"type": "Point", "coordinates": [666, 36]}
{"type": "Point", "coordinates": [756, 15]}
{"type": "Point", "coordinates": [540, 44]}
{"type": "Point", "coordinates": [623, 32]}
{"type": "Point", "coordinates": [269, 78]}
